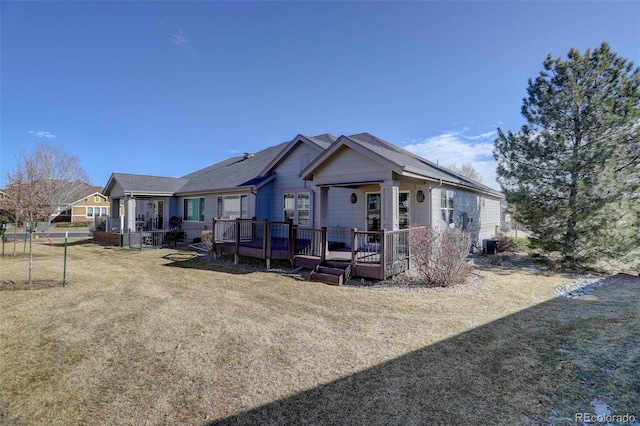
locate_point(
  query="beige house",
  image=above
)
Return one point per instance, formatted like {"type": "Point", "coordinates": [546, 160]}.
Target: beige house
{"type": "Point", "coordinates": [88, 207]}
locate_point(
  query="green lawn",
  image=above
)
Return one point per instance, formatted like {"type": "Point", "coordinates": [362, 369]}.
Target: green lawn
{"type": "Point", "coordinates": [159, 337]}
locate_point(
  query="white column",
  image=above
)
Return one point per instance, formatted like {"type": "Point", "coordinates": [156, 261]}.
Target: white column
{"type": "Point", "coordinates": [130, 213]}
{"type": "Point", "coordinates": [320, 207]}
{"type": "Point", "coordinates": [389, 203]}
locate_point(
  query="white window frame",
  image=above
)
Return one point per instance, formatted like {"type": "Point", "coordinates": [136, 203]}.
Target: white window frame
{"type": "Point", "coordinates": [447, 205]}
{"type": "Point", "coordinates": [408, 194]}
{"type": "Point", "coordinates": [296, 209]}
{"type": "Point", "coordinates": [243, 205]}
{"type": "Point", "coordinates": [90, 212]}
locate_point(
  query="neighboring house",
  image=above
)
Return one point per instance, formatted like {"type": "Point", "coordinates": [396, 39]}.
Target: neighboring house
{"type": "Point", "coordinates": [86, 203]}
{"type": "Point", "coordinates": [358, 181]}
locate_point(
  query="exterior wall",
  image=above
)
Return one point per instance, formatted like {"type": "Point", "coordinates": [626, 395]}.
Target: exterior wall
{"type": "Point", "coordinates": [418, 212]}
{"type": "Point", "coordinates": [263, 201]}
{"type": "Point", "coordinates": [490, 217]}
{"type": "Point", "coordinates": [117, 191]}
{"type": "Point", "coordinates": [351, 166]}
{"type": "Point", "coordinates": [342, 212]}
{"type": "Point", "coordinates": [481, 212]}
{"type": "Point", "coordinates": [79, 210]}
{"type": "Point", "coordinates": [288, 181]}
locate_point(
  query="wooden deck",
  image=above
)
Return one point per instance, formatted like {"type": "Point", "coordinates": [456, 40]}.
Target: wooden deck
{"type": "Point", "coordinates": [372, 254]}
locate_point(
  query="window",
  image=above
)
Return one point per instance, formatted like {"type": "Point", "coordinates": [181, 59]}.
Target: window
{"type": "Point", "coordinates": [290, 207]}
{"type": "Point", "coordinates": [104, 211]}
{"type": "Point", "coordinates": [446, 205]}
{"type": "Point", "coordinates": [90, 212]}
{"type": "Point", "coordinates": [297, 208]}
{"type": "Point", "coordinates": [403, 210]}
{"type": "Point", "coordinates": [233, 207]}
{"type": "Point", "coordinates": [304, 210]}
{"type": "Point", "coordinates": [97, 199]}
{"type": "Point", "coordinates": [193, 210]}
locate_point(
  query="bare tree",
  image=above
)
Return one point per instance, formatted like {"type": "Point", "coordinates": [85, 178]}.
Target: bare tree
{"type": "Point", "coordinates": [466, 170]}
{"type": "Point", "coordinates": [39, 182]}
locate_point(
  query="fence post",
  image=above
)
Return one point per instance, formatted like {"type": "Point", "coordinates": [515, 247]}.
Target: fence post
{"type": "Point", "coordinates": [236, 256]}
{"type": "Point", "coordinates": [213, 238]}
{"type": "Point", "coordinates": [353, 250]}
{"type": "Point", "coordinates": [323, 253]}
{"type": "Point", "coordinates": [267, 242]}
{"type": "Point", "coordinates": [293, 241]}
{"type": "Point", "coordinates": [383, 254]}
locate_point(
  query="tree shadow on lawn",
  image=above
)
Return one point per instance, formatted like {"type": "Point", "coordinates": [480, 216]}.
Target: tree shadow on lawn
{"type": "Point", "coordinates": [190, 260]}
{"type": "Point", "coordinates": [541, 365]}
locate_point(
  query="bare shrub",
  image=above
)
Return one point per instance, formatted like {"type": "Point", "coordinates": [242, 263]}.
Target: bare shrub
{"type": "Point", "coordinates": [440, 254]}
{"type": "Point", "coordinates": [206, 237]}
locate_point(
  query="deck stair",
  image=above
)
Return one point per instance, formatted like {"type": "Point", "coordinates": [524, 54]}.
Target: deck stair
{"type": "Point", "coordinates": [332, 272]}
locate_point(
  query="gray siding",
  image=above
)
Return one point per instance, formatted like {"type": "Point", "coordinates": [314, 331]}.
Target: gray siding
{"type": "Point", "coordinates": [350, 166]}
{"type": "Point", "coordinates": [288, 179]}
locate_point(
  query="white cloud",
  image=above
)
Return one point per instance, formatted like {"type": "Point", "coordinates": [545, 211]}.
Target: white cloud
{"type": "Point", "coordinates": [180, 39]}
{"type": "Point", "coordinates": [458, 147]}
{"type": "Point", "coordinates": [41, 134]}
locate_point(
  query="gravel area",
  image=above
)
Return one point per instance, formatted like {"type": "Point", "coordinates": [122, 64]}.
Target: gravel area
{"type": "Point", "coordinates": [409, 281]}
{"type": "Point", "coordinates": [587, 284]}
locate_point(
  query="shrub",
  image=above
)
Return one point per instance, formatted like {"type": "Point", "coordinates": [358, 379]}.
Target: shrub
{"type": "Point", "coordinates": [206, 238]}
{"type": "Point", "coordinates": [512, 244]}
{"type": "Point", "coordinates": [440, 254]}
{"type": "Point", "coordinates": [79, 224]}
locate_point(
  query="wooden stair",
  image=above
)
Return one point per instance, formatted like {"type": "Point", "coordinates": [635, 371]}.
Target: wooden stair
{"type": "Point", "coordinates": [332, 272]}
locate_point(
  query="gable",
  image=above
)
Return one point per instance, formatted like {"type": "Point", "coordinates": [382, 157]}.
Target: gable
{"type": "Point", "coordinates": [348, 165]}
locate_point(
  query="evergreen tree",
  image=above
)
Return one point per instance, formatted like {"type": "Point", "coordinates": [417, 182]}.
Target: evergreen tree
{"type": "Point", "coordinates": [573, 170]}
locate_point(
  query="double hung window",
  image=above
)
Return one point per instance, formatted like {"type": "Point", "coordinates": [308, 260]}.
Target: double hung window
{"type": "Point", "coordinates": [297, 208]}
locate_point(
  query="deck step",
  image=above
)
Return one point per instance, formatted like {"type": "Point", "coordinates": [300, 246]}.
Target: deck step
{"type": "Point", "coordinates": [327, 278]}
{"type": "Point", "coordinates": [332, 272]}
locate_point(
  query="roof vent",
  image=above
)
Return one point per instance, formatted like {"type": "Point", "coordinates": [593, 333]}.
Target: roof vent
{"type": "Point", "coordinates": [248, 155]}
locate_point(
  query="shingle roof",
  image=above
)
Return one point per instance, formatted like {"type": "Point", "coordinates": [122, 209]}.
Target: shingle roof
{"type": "Point", "coordinates": [324, 140]}
{"type": "Point", "coordinates": [231, 173]}
{"type": "Point", "coordinates": [414, 163]}
{"type": "Point", "coordinates": [245, 170]}
{"type": "Point", "coordinates": [149, 184]}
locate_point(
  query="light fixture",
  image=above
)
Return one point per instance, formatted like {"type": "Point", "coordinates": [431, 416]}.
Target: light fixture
{"type": "Point", "coordinates": [420, 196]}
{"type": "Point", "coordinates": [354, 198]}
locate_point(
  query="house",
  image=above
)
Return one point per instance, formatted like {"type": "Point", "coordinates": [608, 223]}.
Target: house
{"type": "Point", "coordinates": [85, 203]}
{"type": "Point", "coordinates": [338, 183]}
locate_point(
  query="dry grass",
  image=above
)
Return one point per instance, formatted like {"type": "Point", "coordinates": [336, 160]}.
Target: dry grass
{"type": "Point", "coordinates": [159, 337]}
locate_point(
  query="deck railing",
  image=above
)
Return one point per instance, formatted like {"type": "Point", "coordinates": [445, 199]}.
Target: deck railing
{"type": "Point", "coordinates": [266, 239]}
{"type": "Point", "coordinates": [374, 254]}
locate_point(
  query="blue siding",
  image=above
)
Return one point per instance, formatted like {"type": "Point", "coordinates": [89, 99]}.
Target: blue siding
{"type": "Point", "coordinates": [174, 207]}
{"type": "Point", "coordinates": [264, 202]}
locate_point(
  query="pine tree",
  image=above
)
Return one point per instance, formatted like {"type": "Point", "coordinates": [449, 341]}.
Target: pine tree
{"type": "Point", "coordinates": [573, 170]}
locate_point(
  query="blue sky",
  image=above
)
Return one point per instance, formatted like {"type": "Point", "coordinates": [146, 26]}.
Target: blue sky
{"type": "Point", "coordinates": [166, 88]}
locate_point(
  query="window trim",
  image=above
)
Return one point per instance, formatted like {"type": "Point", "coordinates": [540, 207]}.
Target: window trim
{"type": "Point", "coordinates": [408, 193]}
{"type": "Point", "coordinates": [243, 199]}
{"type": "Point", "coordinates": [296, 209]}
{"type": "Point", "coordinates": [200, 205]}
{"type": "Point", "coordinates": [447, 205]}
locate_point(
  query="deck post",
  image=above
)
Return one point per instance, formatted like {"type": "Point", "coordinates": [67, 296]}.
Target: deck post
{"type": "Point", "coordinates": [323, 253]}
{"type": "Point", "coordinates": [236, 255]}
{"type": "Point", "coordinates": [266, 242]}
{"type": "Point", "coordinates": [353, 250]}
{"type": "Point", "coordinates": [293, 241]}
{"type": "Point", "coordinates": [213, 238]}
{"type": "Point", "coordinates": [383, 254]}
